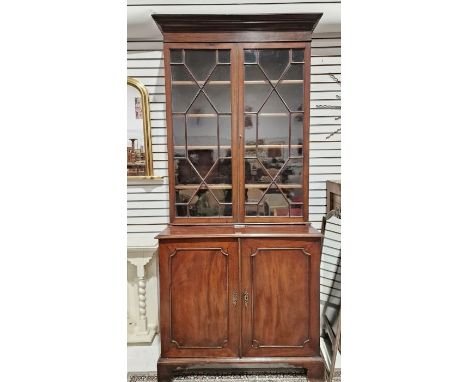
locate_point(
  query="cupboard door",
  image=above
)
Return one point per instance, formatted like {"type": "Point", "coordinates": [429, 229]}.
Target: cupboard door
{"type": "Point", "coordinates": [199, 307]}
{"type": "Point", "coordinates": [280, 297]}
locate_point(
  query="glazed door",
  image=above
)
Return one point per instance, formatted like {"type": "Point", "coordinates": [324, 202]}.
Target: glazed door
{"type": "Point", "coordinates": [280, 297]}
{"type": "Point", "coordinates": [199, 307]}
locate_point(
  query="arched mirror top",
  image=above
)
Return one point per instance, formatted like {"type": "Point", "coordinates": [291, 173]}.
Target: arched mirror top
{"type": "Point", "coordinates": [139, 147]}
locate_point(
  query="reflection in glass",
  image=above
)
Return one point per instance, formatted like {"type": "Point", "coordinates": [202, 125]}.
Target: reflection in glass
{"type": "Point", "coordinates": [176, 56]}
{"type": "Point", "coordinates": [297, 55]}
{"type": "Point", "coordinates": [221, 172]}
{"type": "Point", "coordinates": [291, 172]}
{"type": "Point", "coordinates": [273, 62]}
{"type": "Point", "coordinates": [184, 89]}
{"type": "Point", "coordinates": [250, 131]}
{"type": "Point", "coordinates": [273, 131]}
{"type": "Point", "coordinates": [297, 134]}
{"type": "Point", "coordinates": [224, 56]}
{"type": "Point", "coordinates": [203, 204]}
{"type": "Point", "coordinates": [225, 133]}
{"type": "Point", "coordinates": [255, 173]}
{"type": "Point", "coordinates": [184, 172]}
{"type": "Point", "coordinates": [250, 56]}
{"type": "Point", "coordinates": [200, 62]}
{"type": "Point", "coordinates": [178, 131]}
{"type": "Point", "coordinates": [136, 156]}
{"type": "Point", "coordinates": [219, 92]}
{"type": "Point", "coordinates": [202, 160]}
{"type": "Point", "coordinates": [202, 131]}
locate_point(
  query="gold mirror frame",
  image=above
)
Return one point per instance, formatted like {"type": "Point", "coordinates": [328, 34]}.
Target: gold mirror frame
{"type": "Point", "coordinates": [146, 130]}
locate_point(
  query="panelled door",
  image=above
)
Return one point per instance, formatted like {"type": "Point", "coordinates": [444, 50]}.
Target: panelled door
{"type": "Point", "coordinates": [280, 297]}
{"type": "Point", "coordinates": [199, 300]}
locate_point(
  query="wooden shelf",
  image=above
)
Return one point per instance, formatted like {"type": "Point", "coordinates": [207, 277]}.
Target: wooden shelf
{"type": "Point", "coordinates": [211, 186]}
{"type": "Point", "coordinates": [202, 147]}
{"type": "Point", "coordinates": [280, 146]}
{"type": "Point", "coordinates": [274, 82]}
{"type": "Point", "coordinates": [256, 185]}
{"type": "Point", "coordinates": [229, 186]}
{"type": "Point", "coordinates": [201, 82]}
{"type": "Point", "coordinates": [251, 82]}
{"type": "Point", "coordinates": [268, 114]}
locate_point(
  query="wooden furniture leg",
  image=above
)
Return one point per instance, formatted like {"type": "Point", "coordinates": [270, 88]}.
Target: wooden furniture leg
{"type": "Point", "coordinates": [165, 373]}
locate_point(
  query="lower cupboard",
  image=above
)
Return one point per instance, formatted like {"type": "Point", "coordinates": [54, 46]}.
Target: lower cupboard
{"type": "Point", "coordinates": [235, 298]}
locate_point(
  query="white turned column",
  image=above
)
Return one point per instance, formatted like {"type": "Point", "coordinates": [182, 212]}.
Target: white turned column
{"type": "Point", "coordinates": [139, 257]}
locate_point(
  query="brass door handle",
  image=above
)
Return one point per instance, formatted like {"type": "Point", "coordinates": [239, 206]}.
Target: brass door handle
{"type": "Point", "coordinates": [234, 298]}
{"type": "Point", "coordinates": [246, 298]}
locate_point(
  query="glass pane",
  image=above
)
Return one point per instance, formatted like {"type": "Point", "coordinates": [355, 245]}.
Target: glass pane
{"type": "Point", "coordinates": [273, 200]}
{"type": "Point", "coordinates": [202, 160]}
{"type": "Point", "coordinates": [296, 209]}
{"type": "Point", "coordinates": [255, 173]}
{"type": "Point", "coordinates": [291, 173]}
{"type": "Point", "coordinates": [250, 56]}
{"type": "Point", "coordinates": [273, 62]}
{"type": "Point", "coordinates": [273, 158]}
{"type": "Point", "coordinates": [250, 130]}
{"type": "Point", "coordinates": [291, 88]}
{"type": "Point", "coordinates": [273, 129]}
{"type": "Point", "coordinates": [224, 56]}
{"type": "Point", "coordinates": [176, 56]}
{"type": "Point", "coordinates": [225, 209]}
{"type": "Point", "coordinates": [181, 210]}
{"type": "Point", "coordinates": [298, 55]}
{"type": "Point", "coordinates": [295, 194]}
{"type": "Point", "coordinates": [184, 173]}
{"type": "Point", "coordinates": [218, 89]}
{"type": "Point", "coordinates": [274, 105]}
{"type": "Point", "coordinates": [184, 89]}
{"type": "Point", "coordinates": [221, 173]}
{"type": "Point", "coordinates": [202, 131]}
{"type": "Point", "coordinates": [225, 134]}
{"type": "Point", "coordinates": [178, 132]}
{"type": "Point", "coordinates": [201, 105]}
{"type": "Point", "coordinates": [200, 62]}
{"type": "Point", "coordinates": [257, 88]}
{"type": "Point", "coordinates": [297, 133]}
{"type": "Point", "coordinates": [203, 204]}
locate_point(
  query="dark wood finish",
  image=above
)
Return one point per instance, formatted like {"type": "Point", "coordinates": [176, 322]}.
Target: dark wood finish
{"type": "Point", "coordinates": [279, 276]}
{"type": "Point", "coordinates": [196, 23]}
{"type": "Point", "coordinates": [240, 295]}
{"type": "Point", "coordinates": [198, 279]}
{"type": "Point", "coordinates": [239, 231]}
{"type": "Point", "coordinates": [333, 195]}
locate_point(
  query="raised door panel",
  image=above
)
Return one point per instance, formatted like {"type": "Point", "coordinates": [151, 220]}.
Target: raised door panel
{"type": "Point", "coordinates": [280, 299]}
{"type": "Point", "coordinates": [199, 316]}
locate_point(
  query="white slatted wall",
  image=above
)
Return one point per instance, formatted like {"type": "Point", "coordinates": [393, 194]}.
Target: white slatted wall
{"type": "Point", "coordinates": [148, 203]}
